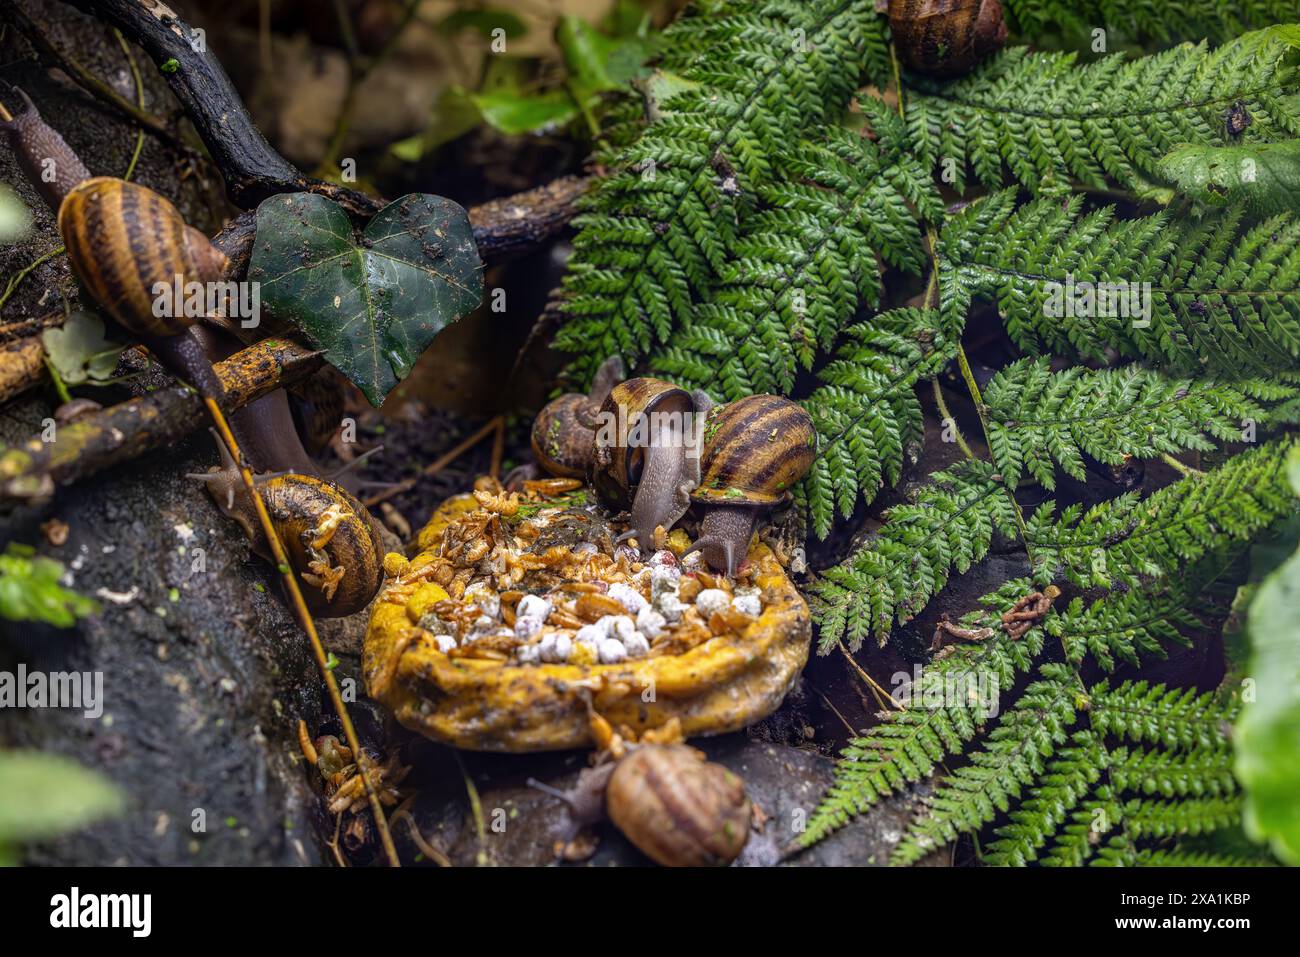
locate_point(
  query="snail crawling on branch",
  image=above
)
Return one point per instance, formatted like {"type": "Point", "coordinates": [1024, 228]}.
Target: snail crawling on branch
{"type": "Point", "coordinates": [677, 808]}
{"type": "Point", "coordinates": [130, 247]}
{"type": "Point", "coordinates": [946, 37]}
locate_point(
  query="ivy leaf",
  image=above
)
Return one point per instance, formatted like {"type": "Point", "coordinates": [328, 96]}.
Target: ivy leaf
{"type": "Point", "coordinates": [1267, 736]}
{"type": "Point", "coordinates": [1263, 177]}
{"type": "Point", "coordinates": [80, 352]}
{"type": "Point", "coordinates": [373, 303]}
{"type": "Point", "coordinates": [42, 795]}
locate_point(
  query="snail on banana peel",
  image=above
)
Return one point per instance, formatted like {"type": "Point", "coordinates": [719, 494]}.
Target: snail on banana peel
{"type": "Point", "coordinates": [647, 458]}
{"type": "Point", "coordinates": [330, 538]}
{"type": "Point", "coordinates": [755, 450]}
{"type": "Point", "coordinates": [679, 809]}
{"type": "Point", "coordinates": [564, 432]}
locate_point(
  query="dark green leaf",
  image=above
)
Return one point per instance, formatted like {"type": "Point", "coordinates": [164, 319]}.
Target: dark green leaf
{"type": "Point", "coordinates": [373, 304]}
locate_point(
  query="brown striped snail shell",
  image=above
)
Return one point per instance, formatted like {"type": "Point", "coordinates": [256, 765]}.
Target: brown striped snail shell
{"type": "Point", "coordinates": [125, 241]}
{"type": "Point", "coordinates": [756, 450]}
{"type": "Point", "coordinates": [329, 537]}
{"type": "Point", "coordinates": [647, 457]}
{"type": "Point", "coordinates": [677, 808]}
{"type": "Point", "coordinates": [130, 248]}
{"type": "Point", "coordinates": [564, 432]}
{"type": "Point", "coordinates": [946, 37]}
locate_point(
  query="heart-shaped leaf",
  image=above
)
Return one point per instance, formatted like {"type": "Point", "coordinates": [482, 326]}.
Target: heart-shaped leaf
{"type": "Point", "coordinates": [373, 303]}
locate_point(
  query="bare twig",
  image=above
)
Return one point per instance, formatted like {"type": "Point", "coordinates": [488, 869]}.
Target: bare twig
{"type": "Point", "coordinates": [126, 431]}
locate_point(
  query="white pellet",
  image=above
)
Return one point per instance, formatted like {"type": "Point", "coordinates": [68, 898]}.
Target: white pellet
{"type": "Point", "coordinates": [444, 642]}
{"type": "Point", "coordinates": [650, 623]}
{"type": "Point", "coordinates": [590, 635]}
{"type": "Point", "coordinates": [556, 647]}
{"type": "Point", "coordinates": [533, 606]}
{"type": "Point", "coordinates": [637, 645]}
{"type": "Point", "coordinates": [527, 626]}
{"type": "Point", "coordinates": [750, 605]}
{"type": "Point", "coordinates": [711, 600]}
{"type": "Point", "coordinates": [485, 596]}
{"type": "Point", "coordinates": [670, 606]}
{"type": "Point", "coordinates": [612, 651]}
{"type": "Point", "coordinates": [664, 579]}
{"type": "Point", "coordinates": [529, 654]}
{"type": "Point", "coordinates": [627, 596]}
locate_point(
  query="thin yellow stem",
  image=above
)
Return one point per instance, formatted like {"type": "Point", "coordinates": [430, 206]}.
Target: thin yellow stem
{"type": "Point", "coordinates": [952, 423]}
{"type": "Point", "coordinates": [1182, 467]}
{"type": "Point", "coordinates": [309, 626]}
{"type": "Point", "coordinates": [871, 682]}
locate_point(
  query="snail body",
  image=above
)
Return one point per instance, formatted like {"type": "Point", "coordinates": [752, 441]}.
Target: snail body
{"type": "Point", "coordinates": [677, 808]}
{"type": "Point", "coordinates": [329, 537]}
{"type": "Point", "coordinates": [946, 37]}
{"type": "Point", "coordinates": [134, 254]}
{"type": "Point", "coordinates": [755, 450]}
{"type": "Point", "coordinates": [45, 158]}
{"type": "Point", "coordinates": [564, 432]}
{"type": "Point", "coordinates": [647, 457]}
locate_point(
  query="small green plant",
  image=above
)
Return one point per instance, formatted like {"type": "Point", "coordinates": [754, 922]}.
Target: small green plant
{"type": "Point", "coordinates": [30, 589]}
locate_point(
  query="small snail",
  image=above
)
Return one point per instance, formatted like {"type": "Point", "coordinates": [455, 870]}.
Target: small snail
{"type": "Point", "coordinates": [677, 808]}
{"type": "Point", "coordinates": [946, 37]}
{"type": "Point", "coordinates": [564, 432]}
{"type": "Point", "coordinates": [647, 454]}
{"type": "Point", "coordinates": [330, 538]}
{"type": "Point", "coordinates": [755, 450]}
{"type": "Point", "coordinates": [125, 242]}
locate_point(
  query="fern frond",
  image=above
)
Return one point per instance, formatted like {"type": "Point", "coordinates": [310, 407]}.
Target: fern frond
{"type": "Point", "coordinates": [1177, 718]}
{"type": "Point", "coordinates": [1159, 857]}
{"type": "Point", "coordinates": [1011, 759]}
{"type": "Point", "coordinates": [1037, 417]}
{"type": "Point", "coordinates": [1199, 773]}
{"type": "Point", "coordinates": [866, 411]}
{"type": "Point", "coordinates": [1069, 777]}
{"type": "Point", "coordinates": [1048, 120]}
{"type": "Point", "coordinates": [655, 233]}
{"type": "Point", "coordinates": [1151, 19]}
{"type": "Point", "coordinates": [1180, 818]}
{"type": "Point", "coordinates": [1223, 299]}
{"type": "Point", "coordinates": [804, 266]}
{"type": "Point", "coordinates": [948, 525]}
{"type": "Point", "coordinates": [1128, 541]}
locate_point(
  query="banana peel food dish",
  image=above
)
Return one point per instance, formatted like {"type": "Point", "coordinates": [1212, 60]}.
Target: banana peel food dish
{"type": "Point", "coordinates": [520, 621]}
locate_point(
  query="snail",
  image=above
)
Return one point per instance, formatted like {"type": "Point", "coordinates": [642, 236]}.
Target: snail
{"type": "Point", "coordinates": [125, 243]}
{"type": "Point", "coordinates": [122, 239]}
{"type": "Point", "coordinates": [755, 450]}
{"type": "Point", "coordinates": [677, 808]}
{"type": "Point", "coordinates": [647, 454]}
{"type": "Point", "coordinates": [564, 432]}
{"type": "Point", "coordinates": [330, 538]}
{"type": "Point", "coordinates": [946, 37]}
